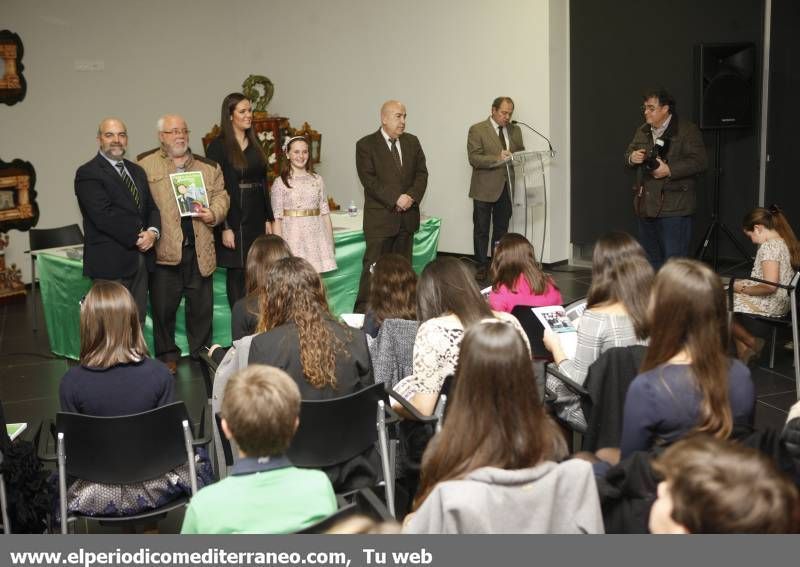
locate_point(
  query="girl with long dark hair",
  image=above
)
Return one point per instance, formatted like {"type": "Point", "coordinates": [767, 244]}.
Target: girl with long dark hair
{"type": "Point", "coordinates": [687, 382]}
{"type": "Point", "coordinates": [244, 168]}
{"type": "Point", "coordinates": [480, 474]}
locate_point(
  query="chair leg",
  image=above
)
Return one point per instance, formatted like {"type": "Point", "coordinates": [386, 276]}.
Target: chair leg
{"type": "Point", "coordinates": [4, 506]}
{"type": "Point", "coordinates": [772, 347]}
{"type": "Point", "coordinates": [33, 294]}
{"type": "Point", "coordinates": [388, 471]}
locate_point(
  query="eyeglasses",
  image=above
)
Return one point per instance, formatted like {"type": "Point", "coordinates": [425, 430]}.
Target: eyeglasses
{"type": "Point", "coordinates": [176, 131]}
{"type": "Point", "coordinates": [650, 107]}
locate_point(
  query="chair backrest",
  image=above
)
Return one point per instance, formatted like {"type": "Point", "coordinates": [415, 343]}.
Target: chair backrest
{"type": "Point", "coordinates": [208, 366]}
{"type": "Point", "coordinates": [42, 238]}
{"type": "Point", "coordinates": [334, 431]}
{"type": "Point", "coordinates": [124, 449]}
{"type": "Point", "coordinates": [607, 383]}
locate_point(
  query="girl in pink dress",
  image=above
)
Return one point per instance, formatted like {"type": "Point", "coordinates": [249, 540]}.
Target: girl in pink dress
{"type": "Point", "coordinates": [516, 277]}
{"type": "Point", "coordinates": [301, 211]}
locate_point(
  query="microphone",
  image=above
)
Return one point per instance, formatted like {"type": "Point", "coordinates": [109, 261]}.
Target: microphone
{"type": "Point", "coordinates": [535, 131]}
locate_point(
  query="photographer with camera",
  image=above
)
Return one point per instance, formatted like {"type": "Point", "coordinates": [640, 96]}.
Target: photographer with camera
{"type": "Point", "coordinates": [668, 154]}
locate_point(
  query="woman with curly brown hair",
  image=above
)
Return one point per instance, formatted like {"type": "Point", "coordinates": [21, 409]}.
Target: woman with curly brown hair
{"type": "Point", "coordinates": [392, 293]}
{"type": "Point", "coordinates": [324, 357]}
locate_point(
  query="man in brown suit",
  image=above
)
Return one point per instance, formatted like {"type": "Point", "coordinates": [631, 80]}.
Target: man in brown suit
{"type": "Point", "coordinates": [185, 256]}
{"type": "Point", "coordinates": [391, 167]}
{"type": "Point", "coordinates": [489, 143]}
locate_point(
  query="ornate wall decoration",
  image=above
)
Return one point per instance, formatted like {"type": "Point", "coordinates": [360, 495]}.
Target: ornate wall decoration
{"type": "Point", "coordinates": [12, 82]}
{"type": "Point", "coordinates": [18, 208]}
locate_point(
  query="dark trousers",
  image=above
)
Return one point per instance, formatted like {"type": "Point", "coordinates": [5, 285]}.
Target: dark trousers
{"type": "Point", "coordinates": [234, 285]}
{"type": "Point", "coordinates": [137, 285]}
{"type": "Point", "coordinates": [168, 284]}
{"type": "Point", "coordinates": [401, 243]}
{"type": "Point", "coordinates": [665, 237]}
{"type": "Point", "coordinates": [485, 213]}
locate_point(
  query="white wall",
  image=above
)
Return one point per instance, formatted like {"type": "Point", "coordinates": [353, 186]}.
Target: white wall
{"type": "Point", "coordinates": [333, 64]}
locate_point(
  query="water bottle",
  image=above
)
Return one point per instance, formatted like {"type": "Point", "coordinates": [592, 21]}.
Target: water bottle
{"type": "Point", "coordinates": [352, 209]}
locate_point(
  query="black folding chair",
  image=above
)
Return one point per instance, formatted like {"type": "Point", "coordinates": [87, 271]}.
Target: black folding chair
{"type": "Point", "coordinates": [44, 238]}
{"type": "Point", "coordinates": [124, 450]}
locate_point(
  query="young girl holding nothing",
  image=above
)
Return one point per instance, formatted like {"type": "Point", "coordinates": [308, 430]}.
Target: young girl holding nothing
{"type": "Point", "coordinates": [300, 207]}
{"type": "Point", "coordinates": [516, 277]}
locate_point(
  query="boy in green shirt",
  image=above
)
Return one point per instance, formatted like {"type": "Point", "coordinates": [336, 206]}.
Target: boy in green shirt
{"type": "Point", "coordinates": [264, 493]}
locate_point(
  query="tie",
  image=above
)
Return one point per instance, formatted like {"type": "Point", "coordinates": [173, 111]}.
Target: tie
{"type": "Point", "coordinates": [396, 154]}
{"type": "Point", "coordinates": [502, 138]}
{"type": "Point", "coordinates": [129, 182]}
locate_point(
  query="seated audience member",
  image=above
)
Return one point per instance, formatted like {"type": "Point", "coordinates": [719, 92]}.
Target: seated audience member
{"type": "Point", "coordinates": [777, 259]}
{"type": "Point", "coordinates": [326, 359]}
{"type": "Point", "coordinates": [392, 293]}
{"type": "Point", "coordinates": [448, 303]}
{"type": "Point", "coordinates": [116, 377]}
{"type": "Point", "coordinates": [493, 468]}
{"type": "Point", "coordinates": [392, 317]}
{"type": "Point", "coordinates": [517, 278]}
{"type": "Point", "coordinates": [687, 382]}
{"type": "Point", "coordinates": [615, 316]}
{"type": "Point", "coordinates": [712, 486]}
{"type": "Point", "coordinates": [264, 493]}
{"type": "Point", "coordinates": [265, 251]}
{"type": "Point", "coordinates": [615, 305]}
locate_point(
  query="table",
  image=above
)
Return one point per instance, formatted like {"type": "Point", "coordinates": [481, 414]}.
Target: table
{"type": "Point", "coordinates": [62, 285]}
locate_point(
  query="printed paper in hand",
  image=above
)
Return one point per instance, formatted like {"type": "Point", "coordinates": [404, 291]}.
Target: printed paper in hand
{"type": "Point", "coordinates": [556, 319]}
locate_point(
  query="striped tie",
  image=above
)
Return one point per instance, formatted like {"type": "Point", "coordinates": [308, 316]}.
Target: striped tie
{"type": "Point", "coordinates": [128, 182]}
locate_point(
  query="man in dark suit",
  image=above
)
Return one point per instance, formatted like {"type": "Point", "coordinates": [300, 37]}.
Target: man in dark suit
{"type": "Point", "coordinates": [489, 143]}
{"type": "Point", "coordinates": [120, 219]}
{"type": "Point", "coordinates": [391, 167]}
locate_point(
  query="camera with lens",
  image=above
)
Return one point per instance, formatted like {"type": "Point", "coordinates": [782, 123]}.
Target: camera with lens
{"type": "Point", "coordinates": [659, 150]}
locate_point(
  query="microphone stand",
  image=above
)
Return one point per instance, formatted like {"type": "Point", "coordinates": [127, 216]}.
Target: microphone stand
{"type": "Point", "coordinates": [535, 131]}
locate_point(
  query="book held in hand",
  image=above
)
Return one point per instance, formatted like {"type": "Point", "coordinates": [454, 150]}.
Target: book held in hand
{"type": "Point", "coordinates": [190, 193]}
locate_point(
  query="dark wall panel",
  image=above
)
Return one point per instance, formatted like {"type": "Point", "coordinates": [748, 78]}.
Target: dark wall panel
{"type": "Point", "coordinates": [784, 102]}
{"type": "Point", "coordinates": [620, 47]}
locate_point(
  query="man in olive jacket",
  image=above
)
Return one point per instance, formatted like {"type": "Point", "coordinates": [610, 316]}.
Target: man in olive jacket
{"type": "Point", "coordinates": [490, 143]}
{"type": "Point", "coordinates": [185, 255]}
{"type": "Point", "coordinates": [665, 188]}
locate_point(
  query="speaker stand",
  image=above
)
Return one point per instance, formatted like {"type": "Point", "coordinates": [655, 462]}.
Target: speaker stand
{"type": "Point", "coordinates": [716, 225]}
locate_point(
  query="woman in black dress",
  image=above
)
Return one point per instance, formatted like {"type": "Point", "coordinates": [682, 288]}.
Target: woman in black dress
{"type": "Point", "coordinates": [244, 167]}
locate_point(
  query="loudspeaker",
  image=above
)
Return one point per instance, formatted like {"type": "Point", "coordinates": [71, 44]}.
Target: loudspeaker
{"type": "Point", "coordinates": [726, 84]}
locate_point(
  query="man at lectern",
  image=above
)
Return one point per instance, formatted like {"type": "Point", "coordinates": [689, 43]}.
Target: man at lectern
{"type": "Point", "coordinates": [489, 143]}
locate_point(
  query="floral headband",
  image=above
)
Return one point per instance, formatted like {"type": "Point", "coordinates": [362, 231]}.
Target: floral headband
{"type": "Point", "coordinates": [288, 142]}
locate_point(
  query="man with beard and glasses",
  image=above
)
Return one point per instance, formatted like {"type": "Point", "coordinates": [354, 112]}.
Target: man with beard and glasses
{"type": "Point", "coordinates": [121, 222]}
{"type": "Point", "coordinates": [185, 257]}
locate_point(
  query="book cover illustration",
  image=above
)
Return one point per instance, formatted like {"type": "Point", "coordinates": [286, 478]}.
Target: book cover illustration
{"type": "Point", "coordinates": [190, 193]}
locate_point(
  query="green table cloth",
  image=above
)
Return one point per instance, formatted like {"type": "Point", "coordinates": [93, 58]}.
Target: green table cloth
{"type": "Point", "coordinates": [62, 285]}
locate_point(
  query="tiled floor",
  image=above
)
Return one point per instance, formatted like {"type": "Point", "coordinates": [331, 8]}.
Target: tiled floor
{"type": "Point", "coordinates": [29, 374]}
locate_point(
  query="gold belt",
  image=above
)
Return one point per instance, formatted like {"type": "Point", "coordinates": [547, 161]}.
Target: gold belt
{"type": "Point", "coordinates": [301, 212]}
